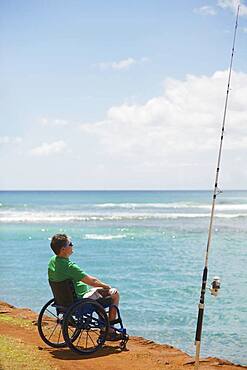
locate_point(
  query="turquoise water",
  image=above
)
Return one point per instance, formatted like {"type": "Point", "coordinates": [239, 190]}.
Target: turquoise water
{"type": "Point", "coordinates": [150, 245]}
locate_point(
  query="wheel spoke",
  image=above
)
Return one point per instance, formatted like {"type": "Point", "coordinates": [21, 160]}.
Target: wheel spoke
{"type": "Point", "coordinates": [59, 336]}
{"type": "Point", "coordinates": [56, 316]}
{"type": "Point", "coordinates": [79, 337]}
{"type": "Point", "coordinates": [53, 332]}
{"type": "Point", "coordinates": [69, 328]}
{"type": "Point", "coordinates": [50, 328]}
{"type": "Point", "coordinates": [91, 339]}
{"type": "Point", "coordinates": [86, 339]}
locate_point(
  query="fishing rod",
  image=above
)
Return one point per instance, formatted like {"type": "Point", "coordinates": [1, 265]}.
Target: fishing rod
{"type": "Point", "coordinates": [215, 286]}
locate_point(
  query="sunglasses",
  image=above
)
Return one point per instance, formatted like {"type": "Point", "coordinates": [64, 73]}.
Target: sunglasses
{"type": "Point", "coordinates": [69, 245]}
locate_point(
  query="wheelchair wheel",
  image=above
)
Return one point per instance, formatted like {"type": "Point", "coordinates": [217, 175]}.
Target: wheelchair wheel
{"type": "Point", "coordinates": [91, 322]}
{"type": "Point", "coordinates": [50, 323]}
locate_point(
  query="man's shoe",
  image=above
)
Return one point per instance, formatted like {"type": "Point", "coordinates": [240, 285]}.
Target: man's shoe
{"type": "Point", "coordinates": [114, 336]}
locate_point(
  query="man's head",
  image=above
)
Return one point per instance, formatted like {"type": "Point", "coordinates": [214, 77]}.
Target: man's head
{"type": "Point", "coordinates": [61, 245]}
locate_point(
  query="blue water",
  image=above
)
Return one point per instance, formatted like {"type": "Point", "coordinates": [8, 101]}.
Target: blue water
{"type": "Point", "coordinates": [149, 244]}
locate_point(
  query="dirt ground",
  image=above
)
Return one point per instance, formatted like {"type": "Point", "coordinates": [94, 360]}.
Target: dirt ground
{"type": "Point", "coordinates": [141, 354]}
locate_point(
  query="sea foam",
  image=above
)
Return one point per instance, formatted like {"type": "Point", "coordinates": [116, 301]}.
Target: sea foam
{"type": "Point", "coordinates": [103, 237]}
{"type": "Point", "coordinates": [57, 217]}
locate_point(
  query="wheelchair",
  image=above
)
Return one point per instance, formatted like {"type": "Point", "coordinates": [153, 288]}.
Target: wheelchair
{"type": "Point", "coordinates": [80, 324]}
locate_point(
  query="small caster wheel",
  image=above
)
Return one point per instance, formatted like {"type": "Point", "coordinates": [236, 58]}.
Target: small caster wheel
{"type": "Point", "coordinates": [122, 345]}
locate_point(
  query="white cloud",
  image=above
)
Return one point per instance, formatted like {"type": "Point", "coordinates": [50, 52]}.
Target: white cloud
{"type": "Point", "coordinates": [181, 125]}
{"type": "Point", "coordinates": [205, 10]}
{"type": "Point", "coordinates": [232, 5]}
{"type": "Point", "coordinates": [53, 122]}
{"type": "Point", "coordinates": [121, 64]}
{"type": "Point", "coordinates": [46, 149]}
{"type": "Point", "coordinates": [10, 140]}
{"type": "Point", "coordinates": [169, 141]}
{"type": "Point", "coordinates": [245, 29]}
{"type": "Point", "coordinates": [224, 4]}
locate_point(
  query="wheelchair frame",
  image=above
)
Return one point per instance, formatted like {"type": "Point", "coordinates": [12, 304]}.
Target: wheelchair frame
{"type": "Point", "coordinates": [80, 324]}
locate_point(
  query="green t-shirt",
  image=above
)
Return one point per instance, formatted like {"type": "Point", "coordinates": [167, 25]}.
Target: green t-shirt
{"type": "Point", "coordinates": [60, 269]}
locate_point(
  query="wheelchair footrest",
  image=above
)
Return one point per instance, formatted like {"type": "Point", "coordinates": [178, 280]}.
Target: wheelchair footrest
{"type": "Point", "coordinates": [116, 321]}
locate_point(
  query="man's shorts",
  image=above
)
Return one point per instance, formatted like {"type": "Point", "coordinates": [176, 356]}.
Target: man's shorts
{"type": "Point", "coordinates": [96, 293]}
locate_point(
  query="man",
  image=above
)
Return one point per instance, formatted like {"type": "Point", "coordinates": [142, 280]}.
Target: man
{"type": "Point", "coordinates": [61, 268]}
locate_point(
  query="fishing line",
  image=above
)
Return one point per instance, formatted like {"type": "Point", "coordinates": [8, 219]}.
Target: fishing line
{"type": "Point", "coordinates": [216, 282]}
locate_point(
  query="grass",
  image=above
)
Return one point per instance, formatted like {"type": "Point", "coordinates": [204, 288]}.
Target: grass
{"type": "Point", "coordinates": [15, 355]}
{"type": "Point", "coordinates": [23, 323]}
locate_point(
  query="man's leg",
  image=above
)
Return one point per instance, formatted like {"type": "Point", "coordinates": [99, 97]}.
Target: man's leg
{"type": "Point", "coordinates": [115, 300]}
{"type": "Point", "coordinates": [114, 294]}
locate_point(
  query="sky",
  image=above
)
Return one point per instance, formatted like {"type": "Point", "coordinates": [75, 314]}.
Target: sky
{"type": "Point", "coordinates": [102, 95]}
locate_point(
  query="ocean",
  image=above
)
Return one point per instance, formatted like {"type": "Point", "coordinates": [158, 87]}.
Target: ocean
{"type": "Point", "coordinates": [148, 244]}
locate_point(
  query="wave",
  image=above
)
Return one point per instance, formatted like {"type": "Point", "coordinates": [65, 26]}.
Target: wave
{"type": "Point", "coordinates": [41, 217]}
{"type": "Point", "coordinates": [141, 205]}
{"type": "Point", "coordinates": [126, 206]}
{"type": "Point", "coordinates": [103, 237]}
{"type": "Point", "coordinates": [221, 207]}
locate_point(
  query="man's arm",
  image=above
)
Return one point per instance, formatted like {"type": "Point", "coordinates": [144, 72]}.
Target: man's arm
{"type": "Point", "coordinates": [93, 281]}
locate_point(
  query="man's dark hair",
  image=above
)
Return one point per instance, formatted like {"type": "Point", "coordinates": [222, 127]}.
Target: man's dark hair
{"type": "Point", "coordinates": [58, 241]}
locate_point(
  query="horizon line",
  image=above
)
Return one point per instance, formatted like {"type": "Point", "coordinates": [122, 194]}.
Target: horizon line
{"type": "Point", "coordinates": [108, 190]}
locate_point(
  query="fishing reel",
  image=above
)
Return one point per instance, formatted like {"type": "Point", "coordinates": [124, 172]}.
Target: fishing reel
{"type": "Point", "coordinates": [215, 286]}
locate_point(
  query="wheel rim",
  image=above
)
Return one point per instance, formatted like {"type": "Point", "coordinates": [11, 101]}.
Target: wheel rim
{"type": "Point", "coordinates": [91, 323]}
